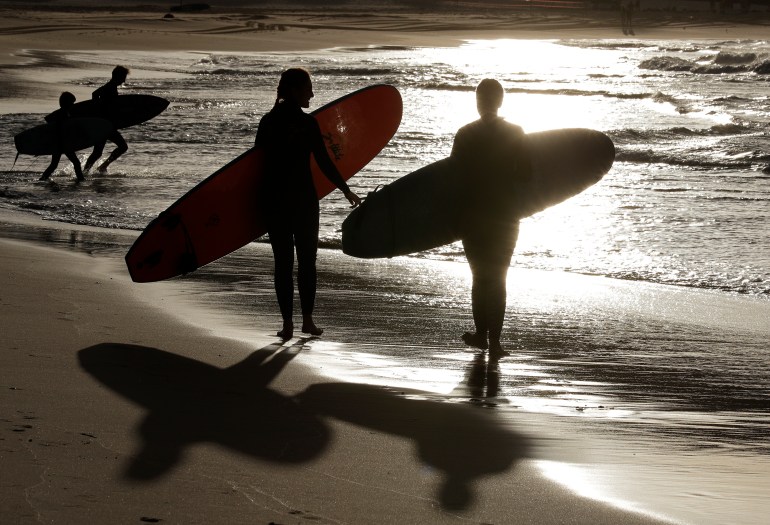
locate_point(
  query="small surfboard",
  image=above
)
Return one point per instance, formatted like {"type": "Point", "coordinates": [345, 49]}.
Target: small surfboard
{"type": "Point", "coordinates": [124, 111]}
{"type": "Point", "coordinates": [220, 214]}
{"type": "Point", "coordinates": [420, 210]}
{"type": "Point", "coordinates": [75, 134]}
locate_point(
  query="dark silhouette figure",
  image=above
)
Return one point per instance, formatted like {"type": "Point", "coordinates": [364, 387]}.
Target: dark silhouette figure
{"type": "Point", "coordinates": [106, 95]}
{"type": "Point", "coordinates": [461, 441]}
{"type": "Point", "coordinates": [58, 118]}
{"type": "Point", "coordinates": [289, 137]}
{"type": "Point", "coordinates": [482, 380]}
{"type": "Point", "coordinates": [495, 167]}
{"type": "Point", "coordinates": [191, 402]}
{"type": "Point", "coordinates": [627, 8]}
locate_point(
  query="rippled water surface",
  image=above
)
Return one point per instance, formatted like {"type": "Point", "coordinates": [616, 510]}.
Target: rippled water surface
{"type": "Point", "coordinates": [686, 202]}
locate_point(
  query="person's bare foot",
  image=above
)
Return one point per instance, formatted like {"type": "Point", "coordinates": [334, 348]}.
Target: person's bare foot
{"type": "Point", "coordinates": [475, 340]}
{"type": "Point", "coordinates": [287, 332]}
{"type": "Point", "coordinates": [496, 350]}
{"type": "Point", "coordinates": [311, 329]}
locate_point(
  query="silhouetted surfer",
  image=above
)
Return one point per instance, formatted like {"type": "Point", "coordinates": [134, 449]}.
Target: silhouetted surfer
{"type": "Point", "coordinates": [105, 95]}
{"type": "Point", "coordinates": [627, 8]}
{"type": "Point", "coordinates": [58, 118]}
{"type": "Point", "coordinates": [495, 168]}
{"type": "Point", "coordinates": [289, 136]}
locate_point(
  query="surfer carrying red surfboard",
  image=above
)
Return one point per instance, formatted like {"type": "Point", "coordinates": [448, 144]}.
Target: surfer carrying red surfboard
{"type": "Point", "coordinates": [289, 136]}
{"type": "Point", "coordinates": [494, 168]}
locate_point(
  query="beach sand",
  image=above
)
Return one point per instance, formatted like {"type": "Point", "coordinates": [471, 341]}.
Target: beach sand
{"type": "Point", "coordinates": [121, 404]}
{"type": "Point", "coordinates": [136, 403]}
{"type": "Point", "coordinates": [125, 402]}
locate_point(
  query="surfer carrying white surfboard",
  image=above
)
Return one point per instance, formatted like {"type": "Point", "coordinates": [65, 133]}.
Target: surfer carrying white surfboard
{"type": "Point", "coordinates": [106, 95]}
{"type": "Point", "coordinates": [494, 167]}
{"type": "Point", "coordinates": [289, 136]}
{"type": "Point", "coordinates": [58, 118]}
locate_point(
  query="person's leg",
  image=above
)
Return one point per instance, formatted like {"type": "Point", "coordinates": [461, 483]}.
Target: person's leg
{"type": "Point", "coordinates": [489, 253]}
{"type": "Point", "coordinates": [121, 148]}
{"type": "Point", "coordinates": [283, 255]}
{"type": "Point", "coordinates": [75, 164]}
{"type": "Point", "coordinates": [306, 236]}
{"type": "Point", "coordinates": [473, 252]}
{"type": "Point", "coordinates": [95, 155]}
{"type": "Point", "coordinates": [495, 298]}
{"type": "Point", "coordinates": [497, 274]}
{"type": "Point", "coordinates": [51, 167]}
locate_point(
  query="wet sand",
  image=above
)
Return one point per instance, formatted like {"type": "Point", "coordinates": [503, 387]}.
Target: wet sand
{"type": "Point", "coordinates": [119, 404]}
{"type": "Point", "coordinates": [124, 401]}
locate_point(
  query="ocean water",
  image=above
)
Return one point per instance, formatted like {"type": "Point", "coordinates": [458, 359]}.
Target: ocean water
{"type": "Point", "coordinates": [686, 202]}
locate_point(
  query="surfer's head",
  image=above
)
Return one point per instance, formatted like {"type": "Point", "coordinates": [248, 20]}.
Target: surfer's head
{"type": "Point", "coordinates": [66, 99]}
{"type": "Point", "coordinates": [295, 87]}
{"type": "Point", "coordinates": [119, 74]}
{"type": "Point", "coordinates": [489, 96]}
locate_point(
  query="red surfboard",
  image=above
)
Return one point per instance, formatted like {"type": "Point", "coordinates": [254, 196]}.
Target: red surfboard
{"type": "Point", "coordinates": [219, 215]}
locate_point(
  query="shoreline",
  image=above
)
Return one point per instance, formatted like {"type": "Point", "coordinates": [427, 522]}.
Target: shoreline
{"type": "Point", "coordinates": [297, 29]}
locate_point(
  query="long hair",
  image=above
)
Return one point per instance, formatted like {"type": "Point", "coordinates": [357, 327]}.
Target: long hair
{"type": "Point", "coordinates": [290, 79]}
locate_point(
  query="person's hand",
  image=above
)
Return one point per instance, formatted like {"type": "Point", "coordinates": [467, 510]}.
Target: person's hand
{"type": "Point", "coordinates": [353, 199]}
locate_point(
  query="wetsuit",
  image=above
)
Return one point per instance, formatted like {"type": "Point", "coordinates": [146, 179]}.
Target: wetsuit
{"type": "Point", "coordinates": [106, 95]}
{"type": "Point", "coordinates": [289, 136]}
{"type": "Point", "coordinates": [495, 169]}
{"type": "Point", "coordinates": [58, 118]}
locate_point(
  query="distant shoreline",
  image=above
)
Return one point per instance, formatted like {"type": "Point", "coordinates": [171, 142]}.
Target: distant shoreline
{"type": "Point", "coordinates": [33, 35]}
{"type": "Point", "coordinates": [294, 27]}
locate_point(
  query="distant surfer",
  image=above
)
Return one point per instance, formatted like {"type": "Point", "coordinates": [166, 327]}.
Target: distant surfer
{"type": "Point", "coordinates": [58, 119]}
{"type": "Point", "coordinates": [106, 95]}
{"type": "Point", "coordinates": [494, 166]}
{"type": "Point", "coordinates": [627, 8]}
{"type": "Point", "coordinates": [289, 136]}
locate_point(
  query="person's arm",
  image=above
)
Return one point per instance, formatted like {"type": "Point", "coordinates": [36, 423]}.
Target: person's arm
{"type": "Point", "coordinates": [98, 93]}
{"type": "Point", "coordinates": [105, 93]}
{"type": "Point", "coordinates": [461, 153]}
{"type": "Point", "coordinates": [259, 138]}
{"type": "Point", "coordinates": [327, 166]}
{"type": "Point", "coordinates": [53, 117]}
{"type": "Point", "coordinates": [456, 147]}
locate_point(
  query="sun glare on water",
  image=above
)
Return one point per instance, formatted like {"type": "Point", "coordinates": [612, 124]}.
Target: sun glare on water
{"type": "Point", "coordinates": [529, 71]}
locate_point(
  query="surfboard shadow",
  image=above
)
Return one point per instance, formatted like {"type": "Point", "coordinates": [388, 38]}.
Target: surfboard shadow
{"type": "Point", "coordinates": [193, 402]}
{"type": "Point", "coordinates": [460, 441]}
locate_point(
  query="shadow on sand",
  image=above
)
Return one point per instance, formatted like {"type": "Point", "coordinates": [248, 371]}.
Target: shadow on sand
{"type": "Point", "coordinates": [190, 402]}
